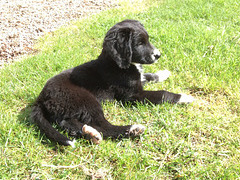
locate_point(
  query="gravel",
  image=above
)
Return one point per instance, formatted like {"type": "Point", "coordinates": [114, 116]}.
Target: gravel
{"type": "Point", "coordinates": [22, 22]}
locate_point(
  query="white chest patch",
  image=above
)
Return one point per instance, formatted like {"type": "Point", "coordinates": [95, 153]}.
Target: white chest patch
{"type": "Point", "coordinates": [140, 70]}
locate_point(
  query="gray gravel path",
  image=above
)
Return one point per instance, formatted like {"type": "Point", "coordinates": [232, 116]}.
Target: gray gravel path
{"type": "Point", "coordinates": [24, 21]}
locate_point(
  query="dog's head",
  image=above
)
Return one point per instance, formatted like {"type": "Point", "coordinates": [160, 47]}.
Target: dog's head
{"type": "Point", "coordinates": [128, 42]}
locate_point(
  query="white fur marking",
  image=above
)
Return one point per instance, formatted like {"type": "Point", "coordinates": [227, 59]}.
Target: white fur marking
{"type": "Point", "coordinates": [163, 75]}
{"type": "Point", "coordinates": [156, 52]}
{"type": "Point", "coordinates": [186, 99]}
{"type": "Point", "coordinates": [63, 123]}
{"type": "Point", "coordinates": [95, 135]}
{"type": "Point", "coordinates": [72, 143]}
{"type": "Point", "coordinates": [140, 70]}
{"type": "Point", "coordinates": [137, 129]}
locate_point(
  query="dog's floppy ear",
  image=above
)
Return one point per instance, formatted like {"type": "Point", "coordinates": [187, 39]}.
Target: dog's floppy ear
{"type": "Point", "coordinates": [118, 44]}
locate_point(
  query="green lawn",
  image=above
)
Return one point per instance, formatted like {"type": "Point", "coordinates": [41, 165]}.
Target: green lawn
{"type": "Point", "coordinates": [200, 44]}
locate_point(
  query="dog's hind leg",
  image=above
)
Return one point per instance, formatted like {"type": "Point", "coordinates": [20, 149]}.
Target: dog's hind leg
{"type": "Point", "coordinates": [87, 119]}
{"type": "Point", "coordinates": [118, 132]}
{"type": "Point", "coordinates": [111, 131]}
{"type": "Point", "coordinates": [98, 128]}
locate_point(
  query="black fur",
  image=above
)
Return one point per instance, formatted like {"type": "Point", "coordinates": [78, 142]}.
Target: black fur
{"type": "Point", "coordinates": [73, 98]}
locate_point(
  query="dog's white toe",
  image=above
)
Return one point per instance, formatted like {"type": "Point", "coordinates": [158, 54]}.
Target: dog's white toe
{"type": "Point", "coordinates": [163, 75]}
{"type": "Point", "coordinates": [185, 99]}
{"type": "Point", "coordinates": [136, 130]}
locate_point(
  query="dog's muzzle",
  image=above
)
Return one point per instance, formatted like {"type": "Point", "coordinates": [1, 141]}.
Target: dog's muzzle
{"type": "Point", "coordinates": [156, 55]}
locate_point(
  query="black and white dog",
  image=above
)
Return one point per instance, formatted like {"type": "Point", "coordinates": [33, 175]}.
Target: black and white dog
{"type": "Point", "coordinates": [72, 99]}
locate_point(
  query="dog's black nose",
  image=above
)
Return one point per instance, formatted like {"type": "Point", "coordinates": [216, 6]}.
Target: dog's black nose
{"type": "Point", "coordinates": [157, 56]}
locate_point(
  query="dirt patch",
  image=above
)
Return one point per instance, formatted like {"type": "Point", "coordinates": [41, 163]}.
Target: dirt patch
{"type": "Point", "coordinates": [24, 21]}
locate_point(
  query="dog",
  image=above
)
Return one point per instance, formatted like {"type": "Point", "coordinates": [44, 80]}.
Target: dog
{"type": "Point", "coordinates": [72, 99]}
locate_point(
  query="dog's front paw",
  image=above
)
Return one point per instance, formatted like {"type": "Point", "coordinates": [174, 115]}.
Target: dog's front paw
{"type": "Point", "coordinates": [185, 99]}
{"type": "Point", "coordinates": [92, 133]}
{"type": "Point", "coordinates": [163, 75]}
{"type": "Point", "coordinates": [136, 130]}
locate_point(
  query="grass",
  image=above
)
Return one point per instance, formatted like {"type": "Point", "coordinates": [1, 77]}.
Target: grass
{"type": "Point", "coordinates": [200, 44]}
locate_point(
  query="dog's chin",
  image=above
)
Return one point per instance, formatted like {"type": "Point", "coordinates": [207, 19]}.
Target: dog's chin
{"type": "Point", "coordinates": [154, 61]}
{"type": "Point", "coordinates": [151, 61]}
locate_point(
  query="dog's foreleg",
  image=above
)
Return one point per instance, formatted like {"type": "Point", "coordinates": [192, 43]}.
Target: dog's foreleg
{"type": "Point", "coordinates": [162, 75]}
{"type": "Point", "coordinates": [156, 77]}
{"type": "Point", "coordinates": [159, 97]}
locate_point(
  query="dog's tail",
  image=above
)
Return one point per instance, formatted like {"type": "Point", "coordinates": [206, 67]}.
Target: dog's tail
{"type": "Point", "coordinates": [37, 116]}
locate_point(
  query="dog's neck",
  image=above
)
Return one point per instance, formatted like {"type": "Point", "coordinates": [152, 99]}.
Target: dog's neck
{"type": "Point", "coordinates": [105, 57]}
{"type": "Point", "coordinates": [140, 70]}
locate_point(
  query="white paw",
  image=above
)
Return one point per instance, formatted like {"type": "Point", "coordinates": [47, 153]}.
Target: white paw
{"type": "Point", "coordinates": [185, 99]}
{"type": "Point", "coordinates": [163, 75]}
{"type": "Point", "coordinates": [136, 130]}
{"type": "Point", "coordinates": [93, 133]}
